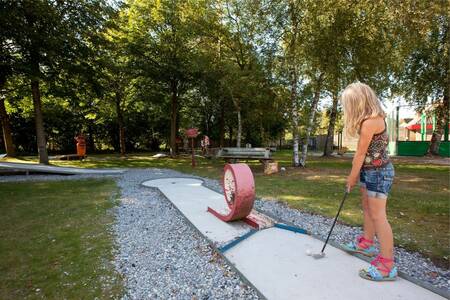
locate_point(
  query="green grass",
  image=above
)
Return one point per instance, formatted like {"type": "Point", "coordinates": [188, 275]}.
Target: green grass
{"type": "Point", "coordinates": [56, 241]}
{"type": "Point", "coordinates": [418, 206]}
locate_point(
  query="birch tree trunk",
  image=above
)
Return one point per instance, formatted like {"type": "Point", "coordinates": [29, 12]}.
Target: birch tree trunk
{"type": "Point", "coordinates": [294, 114]}
{"type": "Point", "coordinates": [311, 120]}
{"type": "Point", "coordinates": [120, 124]}
{"type": "Point", "coordinates": [39, 120]}
{"type": "Point", "coordinates": [291, 56]}
{"type": "Point", "coordinates": [222, 126]}
{"type": "Point", "coordinates": [239, 131]}
{"type": "Point", "coordinates": [330, 134]}
{"type": "Point", "coordinates": [237, 105]}
{"type": "Point", "coordinates": [173, 120]}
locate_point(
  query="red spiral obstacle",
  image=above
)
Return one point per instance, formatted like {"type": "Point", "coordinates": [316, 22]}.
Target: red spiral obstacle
{"type": "Point", "coordinates": [239, 190]}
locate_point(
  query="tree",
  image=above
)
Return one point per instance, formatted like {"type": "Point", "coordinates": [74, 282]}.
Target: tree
{"type": "Point", "coordinates": [163, 39]}
{"type": "Point", "coordinates": [6, 71]}
{"type": "Point", "coordinates": [48, 37]}
{"type": "Point", "coordinates": [424, 72]}
{"type": "Point", "coordinates": [4, 118]}
{"type": "Point", "coordinates": [237, 31]}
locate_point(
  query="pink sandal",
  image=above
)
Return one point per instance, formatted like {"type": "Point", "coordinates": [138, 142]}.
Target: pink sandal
{"type": "Point", "coordinates": [362, 246]}
{"type": "Point", "coordinates": [379, 264]}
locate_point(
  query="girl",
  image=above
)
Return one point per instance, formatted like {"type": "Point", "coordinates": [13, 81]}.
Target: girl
{"type": "Point", "coordinates": [371, 166]}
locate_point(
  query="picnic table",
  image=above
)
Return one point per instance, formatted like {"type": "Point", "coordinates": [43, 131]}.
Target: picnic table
{"type": "Point", "coordinates": [234, 154]}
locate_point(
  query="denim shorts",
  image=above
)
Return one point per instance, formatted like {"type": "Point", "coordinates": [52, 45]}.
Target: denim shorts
{"type": "Point", "coordinates": [377, 181]}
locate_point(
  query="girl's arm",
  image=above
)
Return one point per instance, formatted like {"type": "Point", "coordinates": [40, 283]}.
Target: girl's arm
{"type": "Point", "coordinates": [366, 133]}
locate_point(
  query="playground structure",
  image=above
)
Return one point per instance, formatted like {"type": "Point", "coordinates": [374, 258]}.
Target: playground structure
{"type": "Point", "coordinates": [271, 257]}
{"type": "Point", "coordinates": [410, 132]}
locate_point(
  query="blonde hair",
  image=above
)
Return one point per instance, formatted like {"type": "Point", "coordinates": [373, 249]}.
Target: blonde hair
{"type": "Point", "coordinates": [360, 103]}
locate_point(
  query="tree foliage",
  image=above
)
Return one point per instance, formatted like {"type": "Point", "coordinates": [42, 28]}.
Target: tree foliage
{"type": "Point", "coordinates": [133, 75]}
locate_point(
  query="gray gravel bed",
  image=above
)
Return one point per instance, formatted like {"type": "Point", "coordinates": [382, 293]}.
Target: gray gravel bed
{"type": "Point", "coordinates": [160, 255]}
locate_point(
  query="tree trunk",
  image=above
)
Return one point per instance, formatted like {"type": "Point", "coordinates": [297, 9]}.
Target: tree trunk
{"type": "Point", "coordinates": [311, 120]}
{"type": "Point", "coordinates": [442, 115]}
{"type": "Point", "coordinates": [231, 136]}
{"type": "Point", "coordinates": [120, 124]}
{"type": "Point", "coordinates": [433, 149]}
{"type": "Point", "coordinates": [173, 120]}
{"type": "Point", "coordinates": [6, 128]}
{"type": "Point", "coordinates": [39, 120]}
{"type": "Point", "coordinates": [330, 134]}
{"type": "Point", "coordinates": [291, 57]}
{"type": "Point", "coordinates": [294, 115]}
{"type": "Point", "coordinates": [222, 126]}
{"type": "Point", "coordinates": [91, 141]}
{"type": "Point", "coordinates": [239, 131]}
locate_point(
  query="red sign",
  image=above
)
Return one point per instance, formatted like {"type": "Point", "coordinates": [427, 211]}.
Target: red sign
{"type": "Point", "coordinates": [192, 132]}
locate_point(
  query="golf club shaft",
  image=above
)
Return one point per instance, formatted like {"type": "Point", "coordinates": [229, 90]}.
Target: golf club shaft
{"type": "Point", "coordinates": [335, 219]}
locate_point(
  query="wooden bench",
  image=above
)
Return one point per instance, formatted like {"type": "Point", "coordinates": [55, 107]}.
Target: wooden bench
{"type": "Point", "coordinates": [235, 154]}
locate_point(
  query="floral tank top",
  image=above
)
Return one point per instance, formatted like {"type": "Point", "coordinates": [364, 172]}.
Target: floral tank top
{"type": "Point", "coordinates": [377, 155]}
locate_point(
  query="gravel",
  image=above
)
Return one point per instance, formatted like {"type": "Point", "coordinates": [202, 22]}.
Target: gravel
{"type": "Point", "coordinates": [162, 257]}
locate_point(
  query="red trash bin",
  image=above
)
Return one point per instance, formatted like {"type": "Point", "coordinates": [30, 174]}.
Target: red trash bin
{"type": "Point", "coordinates": [81, 145]}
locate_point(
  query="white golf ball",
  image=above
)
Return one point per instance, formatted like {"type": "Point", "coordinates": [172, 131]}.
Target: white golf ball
{"type": "Point", "coordinates": [308, 252]}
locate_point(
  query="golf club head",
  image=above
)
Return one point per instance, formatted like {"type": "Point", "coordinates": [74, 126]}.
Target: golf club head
{"type": "Point", "coordinates": [318, 255]}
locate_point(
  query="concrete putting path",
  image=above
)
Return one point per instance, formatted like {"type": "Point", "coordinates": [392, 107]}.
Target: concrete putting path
{"type": "Point", "coordinates": [36, 168]}
{"type": "Point", "coordinates": [273, 260]}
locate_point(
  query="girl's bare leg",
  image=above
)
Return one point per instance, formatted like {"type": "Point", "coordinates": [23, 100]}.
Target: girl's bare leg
{"type": "Point", "coordinates": [383, 230]}
{"type": "Point", "coordinates": [369, 227]}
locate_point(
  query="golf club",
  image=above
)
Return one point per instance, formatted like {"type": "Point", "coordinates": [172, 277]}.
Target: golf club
{"type": "Point", "coordinates": [322, 253]}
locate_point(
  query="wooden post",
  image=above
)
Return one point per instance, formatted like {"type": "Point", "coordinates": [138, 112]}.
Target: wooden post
{"type": "Point", "coordinates": [193, 153]}
{"type": "Point", "coordinates": [192, 133]}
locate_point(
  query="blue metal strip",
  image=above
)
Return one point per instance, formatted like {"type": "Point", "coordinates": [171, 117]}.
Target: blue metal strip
{"type": "Point", "coordinates": [291, 228]}
{"type": "Point", "coordinates": [237, 241]}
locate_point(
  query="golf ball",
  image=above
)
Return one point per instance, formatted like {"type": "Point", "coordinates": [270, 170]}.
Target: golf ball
{"type": "Point", "coordinates": [308, 252]}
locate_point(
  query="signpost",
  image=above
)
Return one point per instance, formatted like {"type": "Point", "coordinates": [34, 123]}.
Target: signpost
{"type": "Point", "coordinates": [192, 133]}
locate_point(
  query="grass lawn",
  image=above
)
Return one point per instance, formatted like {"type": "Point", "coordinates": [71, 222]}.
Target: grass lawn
{"type": "Point", "coordinates": [56, 241]}
{"type": "Point", "coordinates": [418, 206]}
